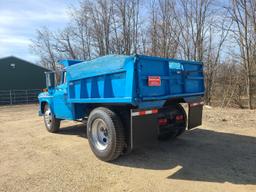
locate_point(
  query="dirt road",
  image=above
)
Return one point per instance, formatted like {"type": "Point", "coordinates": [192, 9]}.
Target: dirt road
{"type": "Point", "coordinates": [218, 156]}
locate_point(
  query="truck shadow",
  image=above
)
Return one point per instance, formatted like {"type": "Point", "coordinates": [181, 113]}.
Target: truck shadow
{"type": "Point", "coordinates": [201, 155]}
{"type": "Point", "coordinates": [198, 155]}
{"type": "Point", "coordinates": [79, 130]}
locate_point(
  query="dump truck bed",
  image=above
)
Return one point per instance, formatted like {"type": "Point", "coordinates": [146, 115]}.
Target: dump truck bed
{"type": "Point", "coordinates": [133, 79]}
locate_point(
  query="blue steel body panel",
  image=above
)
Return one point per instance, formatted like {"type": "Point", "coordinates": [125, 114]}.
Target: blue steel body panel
{"type": "Point", "coordinates": [119, 79]}
{"type": "Point", "coordinates": [67, 62]}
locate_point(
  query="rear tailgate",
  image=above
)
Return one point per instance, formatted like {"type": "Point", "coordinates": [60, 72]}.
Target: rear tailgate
{"type": "Point", "coordinates": [160, 78]}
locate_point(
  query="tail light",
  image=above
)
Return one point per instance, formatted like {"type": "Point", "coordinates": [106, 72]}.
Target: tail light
{"type": "Point", "coordinates": [179, 117]}
{"type": "Point", "coordinates": [162, 121]}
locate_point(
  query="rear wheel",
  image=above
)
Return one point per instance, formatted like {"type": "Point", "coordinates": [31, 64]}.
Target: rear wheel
{"type": "Point", "coordinates": [52, 124]}
{"type": "Point", "coordinates": [175, 126]}
{"type": "Point", "coordinates": [105, 134]}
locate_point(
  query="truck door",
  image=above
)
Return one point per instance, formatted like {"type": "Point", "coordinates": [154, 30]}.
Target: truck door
{"type": "Point", "coordinates": [62, 109]}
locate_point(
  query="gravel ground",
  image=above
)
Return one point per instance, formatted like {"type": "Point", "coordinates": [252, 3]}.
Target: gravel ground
{"type": "Point", "coordinates": [218, 156]}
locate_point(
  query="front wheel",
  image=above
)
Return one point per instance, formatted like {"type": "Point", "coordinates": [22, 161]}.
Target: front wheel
{"type": "Point", "coordinates": [52, 124]}
{"type": "Point", "coordinates": [105, 134]}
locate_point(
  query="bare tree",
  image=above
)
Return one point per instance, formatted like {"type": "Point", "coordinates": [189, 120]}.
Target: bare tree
{"type": "Point", "coordinates": [126, 26]}
{"type": "Point", "coordinates": [99, 15]}
{"type": "Point", "coordinates": [163, 29]}
{"type": "Point", "coordinates": [243, 14]}
{"type": "Point", "coordinates": [219, 26]}
{"type": "Point", "coordinates": [65, 45]}
{"type": "Point", "coordinates": [193, 18]}
{"type": "Point", "coordinates": [43, 46]}
{"type": "Point", "coordinates": [186, 29]}
{"type": "Point", "coordinates": [81, 32]}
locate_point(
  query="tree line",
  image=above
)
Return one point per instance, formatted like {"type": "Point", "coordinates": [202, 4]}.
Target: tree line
{"type": "Point", "coordinates": [222, 34]}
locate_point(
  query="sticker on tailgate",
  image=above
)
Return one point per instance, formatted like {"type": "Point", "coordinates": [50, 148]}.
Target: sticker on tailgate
{"type": "Point", "coordinates": [154, 81]}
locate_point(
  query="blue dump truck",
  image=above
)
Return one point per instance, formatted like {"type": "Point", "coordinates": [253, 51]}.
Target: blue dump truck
{"type": "Point", "coordinates": [126, 101]}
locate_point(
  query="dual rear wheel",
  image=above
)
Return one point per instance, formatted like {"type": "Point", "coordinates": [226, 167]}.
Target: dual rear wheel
{"type": "Point", "coordinates": [175, 127]}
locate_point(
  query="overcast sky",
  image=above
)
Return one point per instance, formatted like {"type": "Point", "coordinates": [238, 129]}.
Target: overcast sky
{"type": "Point", "coordinates": [19, 20]}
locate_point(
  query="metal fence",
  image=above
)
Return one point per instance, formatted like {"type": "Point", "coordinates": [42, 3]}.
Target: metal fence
{"type": "Point", "coordinates": [10, 97]}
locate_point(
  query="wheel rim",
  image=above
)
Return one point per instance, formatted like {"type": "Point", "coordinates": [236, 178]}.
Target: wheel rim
{"type": "Point", "coordinates": [48, 117]}
{"type": "Point", "coordinates": [100, 134]}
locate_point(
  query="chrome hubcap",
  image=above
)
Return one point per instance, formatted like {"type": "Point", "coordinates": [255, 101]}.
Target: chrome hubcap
{"type": "Point", "coordinates": [100, 134]}
{"type": "Point", "coordinates": [48, 117]}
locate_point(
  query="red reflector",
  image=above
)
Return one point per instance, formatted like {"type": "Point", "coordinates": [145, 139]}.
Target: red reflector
{"type": "Point", "coordinates": [147, 112]}
{"type": "Point", "coordinates": [179, 117]}
{"type": "Point", "coordinates": [142, 113]}
{"type": "Point", "coordinates": [162, 121]}
{"type": "Point", "coordinates": [154, 81]}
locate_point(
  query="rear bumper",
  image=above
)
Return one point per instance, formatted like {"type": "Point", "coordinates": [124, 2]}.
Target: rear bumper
{"type": "Point", "coordinates": [144, 128]}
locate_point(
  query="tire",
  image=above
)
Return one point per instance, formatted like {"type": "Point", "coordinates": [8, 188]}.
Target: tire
{"type": "Point", "coordinates": [174, 133]}
{"type": "Point", "coordinates": [52, 124]}
{"type": "Point", "coordinates": [182, 129]}
{"type": "Point", "coordinates": [105, 134]}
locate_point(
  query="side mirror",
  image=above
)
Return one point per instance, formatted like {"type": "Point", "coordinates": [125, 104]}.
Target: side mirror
{"type": "Point", "coordinates": [50, 79]}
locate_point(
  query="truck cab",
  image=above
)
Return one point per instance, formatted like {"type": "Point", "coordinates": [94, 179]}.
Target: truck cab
{"type": "Point", "coordinates": [128, 101]}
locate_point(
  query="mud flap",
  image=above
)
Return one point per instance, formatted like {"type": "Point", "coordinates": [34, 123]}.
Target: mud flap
{"type": "Point", "coordinates": [144, 128]}
{"type": "Point", "coordinates": [195, 111]}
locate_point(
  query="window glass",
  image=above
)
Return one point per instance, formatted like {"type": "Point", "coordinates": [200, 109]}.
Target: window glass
{"type": "Point", "coordinates": [61, 77]}
{"type": "Point", "coordinates": [64, 77]}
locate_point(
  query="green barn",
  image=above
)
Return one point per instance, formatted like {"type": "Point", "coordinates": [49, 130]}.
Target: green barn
{"type": "Point", "coordinates": [20, 80]}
